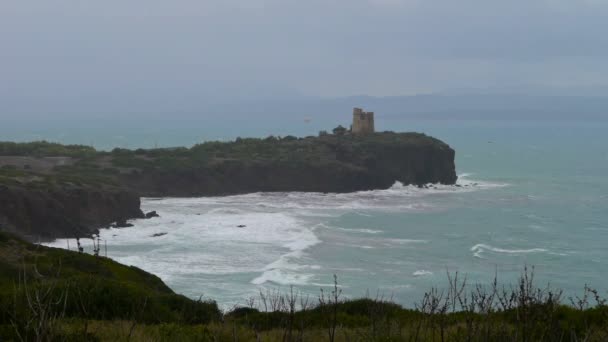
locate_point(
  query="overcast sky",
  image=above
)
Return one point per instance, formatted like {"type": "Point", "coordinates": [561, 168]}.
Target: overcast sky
{"type": "Point", "coordinates": [61, 51]}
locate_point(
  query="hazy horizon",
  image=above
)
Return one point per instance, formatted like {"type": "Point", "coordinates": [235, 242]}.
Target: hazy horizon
{"type": "Point", "coordinates": [118, 58]}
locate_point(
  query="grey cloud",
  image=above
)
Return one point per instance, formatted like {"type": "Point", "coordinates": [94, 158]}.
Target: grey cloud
{"type": "Point", "coordinates": [66, 53]}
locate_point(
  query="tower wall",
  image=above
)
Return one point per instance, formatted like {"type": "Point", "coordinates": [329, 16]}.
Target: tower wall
{"type": "Point", "coordinates": [363, 122]}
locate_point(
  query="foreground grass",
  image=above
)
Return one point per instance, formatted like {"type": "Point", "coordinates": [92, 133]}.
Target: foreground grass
{"type": "Point", "coordinates": [49, 294]}
{"type": "Point", "coordinates": [401, 325]}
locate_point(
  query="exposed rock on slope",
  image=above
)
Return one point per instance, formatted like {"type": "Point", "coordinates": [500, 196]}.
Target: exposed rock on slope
{"type": "Point", "coordinates": [64, 212]}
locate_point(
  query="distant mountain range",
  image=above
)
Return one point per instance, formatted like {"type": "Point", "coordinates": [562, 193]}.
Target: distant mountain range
{"type": "Point", "coordinates": [433, 107]}
{"type": "Point", "coordinates": [453, 106]}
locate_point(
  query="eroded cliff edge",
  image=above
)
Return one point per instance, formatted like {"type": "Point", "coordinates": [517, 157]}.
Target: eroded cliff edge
{"type": "Point", "coordinates": [51, 191]}
{"type": "Point", "coordinates": [71, 211]}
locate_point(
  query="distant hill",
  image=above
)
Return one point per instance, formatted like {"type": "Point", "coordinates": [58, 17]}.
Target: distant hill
{"type": "Point", "coordinates": [456, 105]}
{"type": "Point", "coordinates": [441, 107]}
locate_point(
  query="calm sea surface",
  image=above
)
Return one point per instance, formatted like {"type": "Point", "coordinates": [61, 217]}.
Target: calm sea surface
{"type": "Point", "coordinates": [532, 194]}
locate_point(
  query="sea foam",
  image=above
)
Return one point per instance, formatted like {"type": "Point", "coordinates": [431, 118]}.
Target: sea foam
{"type": "Point", "coordinates": [420, 273]}
{"type": "Point", "coordinates": [478, 249]}
{"type": "Point", "coordinates": [230, 245]}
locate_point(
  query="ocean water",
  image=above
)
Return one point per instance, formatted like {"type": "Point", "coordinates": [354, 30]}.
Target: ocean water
{"type": "Point", "coordinates": [530, 193]}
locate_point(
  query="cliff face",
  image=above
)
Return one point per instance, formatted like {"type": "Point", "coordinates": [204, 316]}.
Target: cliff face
{"type": "Point", "coordinates": [46, 199]}
{"type": "Point", "coordinates": [63, 212]}
{"type": "Point", "coordinates": [321, 164]}
{"type": "Point", "coordinates": [350, 169]}
{"type": "Point", "coordinates": [414, 165]}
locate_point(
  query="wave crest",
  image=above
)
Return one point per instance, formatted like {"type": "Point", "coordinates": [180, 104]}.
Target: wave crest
{"type": "Point", "coordinates": [478, 249]}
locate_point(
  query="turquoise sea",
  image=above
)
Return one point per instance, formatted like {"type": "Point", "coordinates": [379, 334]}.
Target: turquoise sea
{"type": "Point", "coordinates": [532, 193]}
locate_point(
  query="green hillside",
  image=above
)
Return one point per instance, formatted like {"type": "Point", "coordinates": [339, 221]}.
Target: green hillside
{"type": "Point", "coordinates": [43, 286]}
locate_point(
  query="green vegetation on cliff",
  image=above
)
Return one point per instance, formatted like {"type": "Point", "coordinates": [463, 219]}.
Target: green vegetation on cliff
{"type": "Point", "coordinates": [428, 159]}
{"type": "Point", "coordinates": [45, 149]}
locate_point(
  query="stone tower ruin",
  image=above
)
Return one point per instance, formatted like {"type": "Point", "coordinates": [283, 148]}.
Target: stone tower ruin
{"type": "Point", "coordinates": [363, 122]}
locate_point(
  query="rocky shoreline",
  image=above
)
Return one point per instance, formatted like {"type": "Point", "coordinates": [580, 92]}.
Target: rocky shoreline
{"type": "Point", "coordinates": [92, 189]}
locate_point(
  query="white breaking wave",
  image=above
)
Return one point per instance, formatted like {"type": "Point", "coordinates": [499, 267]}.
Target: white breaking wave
{"type": "Point", "coordinates": [226, 244]}
{"type": "Point", "coordinates": [366, 247]}
{"type": "Point", "coordinates": [399, 197]}
{"type": "Point", "coordinates": [286, 272]}
{"type": "Point", "coordinates": [354, 230]}
{"type": "Point", "coordinates": [480, 248]}
{"type": "Point", "coordinates": [421, 273]}
{"type": "Point", "coordinates": [209, 241]}
{"type": "Point", "coordinates": [407, 241]}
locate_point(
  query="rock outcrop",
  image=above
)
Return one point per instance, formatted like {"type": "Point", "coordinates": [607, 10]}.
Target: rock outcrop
{"type": "Point", "coordinates": [75, 211]}
{"type": "Point", "coordinates": [96, 189]}
{"type": "Point", "coordinates": [324, 164]}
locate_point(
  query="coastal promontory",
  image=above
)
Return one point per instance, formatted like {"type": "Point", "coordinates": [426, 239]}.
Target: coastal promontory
{"type": "Point", "coordinates": [50, 190]}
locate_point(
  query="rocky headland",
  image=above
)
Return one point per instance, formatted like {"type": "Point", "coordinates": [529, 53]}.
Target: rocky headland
{"type": "Point", "coordinates": [51, 191]}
